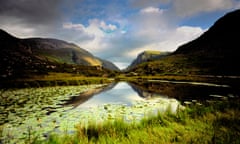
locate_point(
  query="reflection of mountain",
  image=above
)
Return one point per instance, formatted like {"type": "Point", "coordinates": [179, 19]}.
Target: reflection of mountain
{"type": "Point", "coordinates": [180, 91]}
{"type": "Point", "coordinates": [145, 93]}
{"type": "Point", "coordinates": [83, 97]}
{"type": "Point", "coordinates": [121, 94]}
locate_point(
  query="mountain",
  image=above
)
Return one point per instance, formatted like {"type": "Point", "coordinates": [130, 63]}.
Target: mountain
{"type": "Point", "coordinates": [218, 48]}
{"type": "Point", "coordinates": [215, 52]}
{"type": "Point", "coordinates": [147, 56]}
{"type": "Point", "coordinates": [38, 55]}
{"type": "Point", "coordinates": [109, 65]}
{"type": "Point", "coordinates": [222, 38]}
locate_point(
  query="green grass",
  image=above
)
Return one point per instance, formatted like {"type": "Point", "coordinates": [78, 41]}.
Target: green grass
{"type": "Point", "coordinates": [212, 123]}
{"type": "Point", "coordinates": [55, 79]}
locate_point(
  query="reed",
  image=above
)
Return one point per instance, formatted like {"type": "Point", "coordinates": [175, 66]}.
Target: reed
{"type": "Point", "coordinates": [213, 123]}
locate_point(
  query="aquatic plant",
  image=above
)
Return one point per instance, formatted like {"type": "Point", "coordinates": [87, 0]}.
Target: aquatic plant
{"type": "Point", "coordinates": [216, 122]}
{"type": "Point", "coordinates": [64, 119]}
{"type": "Point", "coordinates": [21, 109]}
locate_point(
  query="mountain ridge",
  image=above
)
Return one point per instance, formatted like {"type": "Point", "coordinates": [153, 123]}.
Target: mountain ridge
{"type": "Point", "coordinates": [218, 36]}
{"type": "Point", "coordinates": [215, 52]}
{"type": "Point", "coordinates": [20, 56]}
{"type": "Point", "coordinates": [146, 56]}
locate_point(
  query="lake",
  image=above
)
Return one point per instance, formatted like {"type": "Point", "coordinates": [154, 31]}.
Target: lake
{"type": "Point", "coordinates": [41, 111]}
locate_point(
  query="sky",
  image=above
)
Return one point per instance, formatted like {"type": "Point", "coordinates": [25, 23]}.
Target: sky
{"type": "Point", "coordinates": [115, 30]}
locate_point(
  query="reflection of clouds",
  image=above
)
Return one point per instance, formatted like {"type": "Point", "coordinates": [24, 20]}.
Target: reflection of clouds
{"type": "Point", "coordinates": [120, 102]}
{"type": "Point", "coordinates": [122, 93]}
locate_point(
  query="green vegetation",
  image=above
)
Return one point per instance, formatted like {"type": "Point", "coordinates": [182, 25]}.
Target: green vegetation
{"type": "Point", "coordinates": [54, 79]}
{"type": "Point", "coordinates": [173, 65]}
{"type": "Point", "coordinates": [215, 122]}
{"type": "Point", "coordinates": [25, 112]}
{"type": "Point", "coordinates": [42, 113]}
{"type": "Point", "coordinates": [152, 52]}
{"type": "Point", "coordinates": [211, 122]}
{"type": "Point", "coordinates": [191, 64]}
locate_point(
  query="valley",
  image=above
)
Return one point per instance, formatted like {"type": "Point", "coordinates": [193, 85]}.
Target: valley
{"type": "Point", "coordinates": [53, 91]}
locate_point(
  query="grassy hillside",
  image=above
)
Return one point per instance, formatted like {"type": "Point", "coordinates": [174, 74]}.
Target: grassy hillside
{"type": "Point", "coordinates": [23, 58]}
{"type": "Point", "coordinates": [176, 65]}
{"type": "Point", "coordinates": [147, 56]}
{"type": "Point", "coordinates": [214, 53]}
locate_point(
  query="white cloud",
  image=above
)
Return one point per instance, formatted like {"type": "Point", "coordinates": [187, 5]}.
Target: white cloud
{"type": "Point", "coordinates": [192, 7]}
{"type": "Point", "coordinates": [19, 31]}
{"type": "Point", "coordinates": [150, 29]}
{"type": "Point", "coordinates": [109, 27]}
{"type": "Point", "coordinates": [149, 23]}
{"type": "Point", "coordinates": [120, 33]}
{"type": "Point", "coordinates": [151, 10]}
{"type": "Point", "coordinates": [173, 39]}
{"type": "Point", "coordinates": [96, 29]}
{"type": "Point", "coordinates": [70, 25]}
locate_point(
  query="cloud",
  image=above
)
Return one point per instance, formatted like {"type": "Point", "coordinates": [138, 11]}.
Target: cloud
{"type": "Point", "coordinates": [147, 3]}
{"type": "Point", "coordinates": [186, 8]}
{"type": "Point", "coordinates": [113, 30]}
{"type": "Point", "coordinates": [70, 25]}
{"type": "Point", "coordinates": [32, 11]}
{"type": "Point", "coordinates": [173, 39]}
{"type": "Point", "coordinates": [148, 23]}
{"type": "Point", "coordinates": [148, 29]}
{"type": "Point", "coordinates": [28, 18]}
{"type": "Point", "coordinates": [107, 28]}
{"type": "Point", "coordinates": [97, 32]}
{"type": "Point", "coordinates": [151, 10]}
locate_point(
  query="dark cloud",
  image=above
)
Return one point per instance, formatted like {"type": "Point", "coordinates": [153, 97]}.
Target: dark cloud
{"type": "Point", "coordinates": [147, 3]}
{"type": "Point", "coordinates": [32, 11]}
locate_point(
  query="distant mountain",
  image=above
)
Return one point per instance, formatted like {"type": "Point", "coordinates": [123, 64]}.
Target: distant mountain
{"type": "Point", "coordinates": [39, 54]}
{"type": "Point", "coordinates": [216, 52]}
{"type": "Point", "coordinates": [109, 65]}
{"type": "Point", "coordinates": [147, 56]}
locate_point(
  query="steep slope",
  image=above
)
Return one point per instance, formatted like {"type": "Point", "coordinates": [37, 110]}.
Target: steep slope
{"type": "Point", "coordinates": [218, 48]}
{"type": "Point", "coordinates": [37, 55]}
{"type": "Point", "coordinates": [216, 52]}
{"type": "Point", "coordinates": [109, 65]}
{"type": "Point", "coordinates": [147, 56]}
{"type": "Point", "coordinates": [222, 38]}
{"type": "Point", "coordinates": [60, 51]}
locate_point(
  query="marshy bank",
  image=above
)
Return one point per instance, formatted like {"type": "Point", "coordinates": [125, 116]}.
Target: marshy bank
{"type": "Point", "coordinates": [215, 122]}
{"type": "Point", "coordinates": [151, 111]}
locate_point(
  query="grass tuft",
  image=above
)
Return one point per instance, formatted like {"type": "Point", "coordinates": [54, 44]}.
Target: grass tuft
{"type": "Point", "coordinates": [195, 124]}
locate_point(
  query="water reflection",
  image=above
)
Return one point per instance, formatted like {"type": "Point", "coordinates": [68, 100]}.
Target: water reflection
{"type": "Point", "coordinates": [124, 101]}
{"type": "Point", "coordinates": [121, 93]}
{"type": "Point", "coordinates": [127, 101]}
{"type": "Point", "coordinates": [85, 96]}
{"type": "Point", "coordinates": [184, 91]}
{"type": "Point", "coordinates": [127, 93]}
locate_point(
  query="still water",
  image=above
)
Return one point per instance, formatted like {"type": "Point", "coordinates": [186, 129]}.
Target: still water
{"type": "Point", "coordinates": [122, 93]}
{"type": "Point", "coordinates": [122, 100]}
